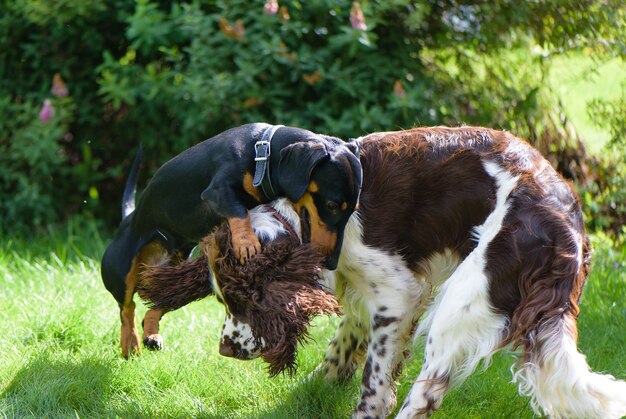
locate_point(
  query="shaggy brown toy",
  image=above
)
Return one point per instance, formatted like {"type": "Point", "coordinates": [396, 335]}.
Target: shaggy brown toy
{"type": "Point", "coordinates": [277, 292]}
{"type": "Point", "coordinates": [170, 287]}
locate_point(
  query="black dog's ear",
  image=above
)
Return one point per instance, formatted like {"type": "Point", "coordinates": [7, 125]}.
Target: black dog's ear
{"type": "Point", "coordinates": [297, 161]}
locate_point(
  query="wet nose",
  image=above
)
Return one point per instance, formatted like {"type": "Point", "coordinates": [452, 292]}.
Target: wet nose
{"type": "Point", "coordinates": [226, 350]}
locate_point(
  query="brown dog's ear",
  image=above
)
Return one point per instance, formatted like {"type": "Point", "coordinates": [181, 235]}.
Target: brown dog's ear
{"type": "Point", "coordinates": [297, 161]}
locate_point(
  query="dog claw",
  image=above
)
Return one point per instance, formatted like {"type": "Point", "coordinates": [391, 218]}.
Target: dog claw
{"type": "Point", "coordinates": [153, 342]}
{"type": "Point", "coordinates": [247, 251]}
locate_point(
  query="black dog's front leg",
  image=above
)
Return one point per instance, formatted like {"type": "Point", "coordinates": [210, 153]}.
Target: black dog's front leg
{"type": "Point", "coordinates": [227, 200]}
{"type": "Point", "coordinates": [245, 242]}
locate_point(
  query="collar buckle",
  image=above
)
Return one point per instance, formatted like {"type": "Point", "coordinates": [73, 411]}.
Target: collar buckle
{"type": "Point", "coordinates": [262, 150]}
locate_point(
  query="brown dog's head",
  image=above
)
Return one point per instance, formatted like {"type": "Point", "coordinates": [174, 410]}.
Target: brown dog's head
{"type": "Point", "coordinates": [270, 300]}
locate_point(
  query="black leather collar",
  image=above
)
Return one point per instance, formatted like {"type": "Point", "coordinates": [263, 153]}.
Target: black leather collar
{"type": "Point", "coordinates": [262, 151]}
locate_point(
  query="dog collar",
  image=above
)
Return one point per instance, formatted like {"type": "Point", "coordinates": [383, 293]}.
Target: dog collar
{"type": "Point", "coordinates": [262, 152]}
{"type": "Point", "coordinates": [284, 222]}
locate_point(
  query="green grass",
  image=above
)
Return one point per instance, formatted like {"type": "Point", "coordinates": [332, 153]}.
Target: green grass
{"type": "Point", "coordinates": [59, 354]}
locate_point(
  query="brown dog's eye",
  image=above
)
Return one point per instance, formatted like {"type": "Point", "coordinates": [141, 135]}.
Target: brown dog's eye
{"type": "Point", "coordinates": [332, 206]}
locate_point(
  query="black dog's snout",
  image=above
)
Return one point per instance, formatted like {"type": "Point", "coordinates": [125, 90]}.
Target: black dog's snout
{"type": "Point", "coordinates": [331, 262]}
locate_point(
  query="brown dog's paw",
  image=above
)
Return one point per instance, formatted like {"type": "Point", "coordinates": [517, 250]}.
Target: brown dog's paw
{"type": "Point", "coordinates": [153, 342]}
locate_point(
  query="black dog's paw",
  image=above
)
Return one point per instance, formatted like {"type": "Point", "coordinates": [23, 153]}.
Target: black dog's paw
{"type": "Point", "coordinates": [153, 342]}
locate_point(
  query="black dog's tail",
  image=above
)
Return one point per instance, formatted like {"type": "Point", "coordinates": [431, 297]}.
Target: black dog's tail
{"type": "Point", "coordinates": [128, 200]}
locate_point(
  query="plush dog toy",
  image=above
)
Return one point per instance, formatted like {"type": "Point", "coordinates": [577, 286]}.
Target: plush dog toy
{"type": "Point", "coordinates": [277, 293]}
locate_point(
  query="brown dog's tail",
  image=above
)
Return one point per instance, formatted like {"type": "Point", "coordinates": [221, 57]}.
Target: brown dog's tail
{"type": "Point", "coordinates": [171, 287]}
{"type": "Point", "coordinates": [554, 373]}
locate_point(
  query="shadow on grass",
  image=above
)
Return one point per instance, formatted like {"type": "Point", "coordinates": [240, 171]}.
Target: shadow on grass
{"type": "Point", "coordinates": [45, 387]}
{"type": "Point", "coordinates": [488, 393]}
{"type": "Point", "coordinates": [316, 398]}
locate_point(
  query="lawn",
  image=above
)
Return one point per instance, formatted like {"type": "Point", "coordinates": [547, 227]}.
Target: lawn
{"type": "Point", "coordinates": [59, 331]}
{"type": "Point", "coordinates": [577, 80]}
{"type": "Point", "coordinates": [60, 357]}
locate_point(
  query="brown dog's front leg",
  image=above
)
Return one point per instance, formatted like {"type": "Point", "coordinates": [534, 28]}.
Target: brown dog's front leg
{"type": "Point", "coordinates": [245, 242]}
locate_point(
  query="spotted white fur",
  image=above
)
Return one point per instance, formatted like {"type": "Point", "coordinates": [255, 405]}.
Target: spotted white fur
{"type": "Point", "coordinates": [460, 326]}
{"type": "Point", "coordinates": [238, 336]}
{"type": "Point", "coordinates": [379, 294]}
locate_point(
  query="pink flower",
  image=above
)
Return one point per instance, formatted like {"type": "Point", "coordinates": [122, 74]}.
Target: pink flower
{"type": "Point", "coordinates": [59, 89]}
{"type": "Point", "coordinates": [357, 18]}
{"type": "Point", "coordinates": [47, 111]}
{"type": "Point", "coordinates": [398, 89]}
{"type": "Point", "coordinates": [271, 7]}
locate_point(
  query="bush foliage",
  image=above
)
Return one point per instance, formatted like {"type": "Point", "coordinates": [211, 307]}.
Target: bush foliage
{"type": "Point", "coordinates": [167, 74]}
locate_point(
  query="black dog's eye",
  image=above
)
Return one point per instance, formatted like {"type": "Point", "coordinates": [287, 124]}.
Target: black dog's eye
{"type": "Point", "coordinates": [332, 206]}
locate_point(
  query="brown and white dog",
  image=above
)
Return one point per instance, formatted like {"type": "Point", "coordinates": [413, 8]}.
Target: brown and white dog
{"type": "Point", "coordinates": [473, 229]}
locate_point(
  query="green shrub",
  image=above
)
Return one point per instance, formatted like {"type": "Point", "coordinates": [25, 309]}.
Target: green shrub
{"type": "Point", "coordinates": [610, 113]}
{"type": "Point", "coordinates": [48, 171]}
{"type": "Point", "coordinates": [304, 66]}
{"type": "Point", "coordinates": [604, 200]}
{"type": "Point", "coordinates": [30, 161]}
{"type": "Point", "coordinates": [170, 73]}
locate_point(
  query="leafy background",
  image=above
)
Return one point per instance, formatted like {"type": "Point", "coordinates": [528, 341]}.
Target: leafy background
{"type": "Point", "coordinates": [168, 74]}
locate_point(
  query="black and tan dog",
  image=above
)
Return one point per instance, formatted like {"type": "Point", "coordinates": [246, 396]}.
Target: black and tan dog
{"type": "Point", "coordinates": [220, 179]}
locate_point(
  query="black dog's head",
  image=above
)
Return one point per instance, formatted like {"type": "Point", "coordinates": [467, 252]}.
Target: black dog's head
{"type": "Point", "coordinates": [322, 176]}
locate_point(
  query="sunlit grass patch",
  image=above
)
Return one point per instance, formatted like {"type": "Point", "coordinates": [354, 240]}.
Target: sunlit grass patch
{"type": "Point", "coordinates": [578, 79]}
{"type": "Point", "coordinates": [60, 356]}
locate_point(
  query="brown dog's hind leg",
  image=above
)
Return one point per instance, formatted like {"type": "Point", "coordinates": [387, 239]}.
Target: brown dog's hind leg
{"type": "Point", "coordinates": [129, 336]}
{"type": "Point", "coordinates": [245, 242]}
